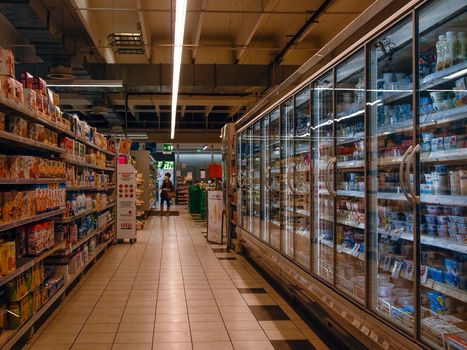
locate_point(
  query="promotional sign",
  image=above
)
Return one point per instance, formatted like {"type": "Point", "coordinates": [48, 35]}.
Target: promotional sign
{"type": "Point", "coordinates": [215, 211]}
{"type": "Point", "coordinates": [126, 202]}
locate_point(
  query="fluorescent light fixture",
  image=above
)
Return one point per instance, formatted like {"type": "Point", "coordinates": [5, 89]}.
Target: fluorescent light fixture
{"type": "Point", "coordinates": [88, 83]}
{"type": "Point", "coordinates": [180, 16]}
{"type": "Point", "coordinates": [204, 148]}
{"type": "Point", "coordinates": [455, 75]}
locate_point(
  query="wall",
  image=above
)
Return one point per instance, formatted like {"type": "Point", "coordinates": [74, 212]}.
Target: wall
{"type": "Point", "coordinates": [197, 161]}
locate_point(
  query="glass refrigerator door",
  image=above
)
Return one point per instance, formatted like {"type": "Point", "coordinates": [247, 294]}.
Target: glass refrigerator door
{"type": "Point", "coordinates": [256, 179]}
{"type": "Point", "coordinates": [443, 173]}
{"type": "Point", "coordinates": [247, 183]}
{"type": "Point", "coordinates": [350, 176]}
{"type": "Point", "coordinates": [274, 182]}
{"type": "Point", "coordinates": [265, 176]}
{"type": "Point", "coordinates": [301, 177]}
{"type": "Point", "coordinates": [390, 141]}
{"type": "Point", "coordinates": [323, 203]}
{"type": "Point", "coordinates": [240, 179]}
{"type": "Point", "coordinates": [287, 162]}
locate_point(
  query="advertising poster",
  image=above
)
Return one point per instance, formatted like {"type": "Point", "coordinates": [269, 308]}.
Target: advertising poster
{"type": "Point", "coordinates": [215, 210]}
{"type": "Point", "coordinates": [126, 202]}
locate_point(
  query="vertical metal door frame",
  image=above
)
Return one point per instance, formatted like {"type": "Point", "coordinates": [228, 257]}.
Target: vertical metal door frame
{"type": "Point", "coordinates": [365, 171]}
{"type": "Point", "coordinates": [310, 194]}
{"type": "Point", "coordinates": [416, 177]}
{"type": "Point", "coordinates": [294, 105]}
{"type": "Point", "coordinates": [334, 177]}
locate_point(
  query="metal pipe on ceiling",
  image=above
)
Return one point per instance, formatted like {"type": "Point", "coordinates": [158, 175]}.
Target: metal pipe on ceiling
{"type": "Point", "coordinates": [204, 46]}
{"type": "Point", "coordinates": [310, 21]}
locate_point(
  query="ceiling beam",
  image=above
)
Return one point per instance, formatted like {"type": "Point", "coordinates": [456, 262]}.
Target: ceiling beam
{"type": "Point", "coordinates": [183, 111]}
{"type": "Point", "coordinates": [233, 111]}
{"type": "Point", "coordinates": [253, 28]}
{"type": "Point", "coordinates": [199, 28]}
{"type": "Point", "coordinates": [144, 32]}
{"type": "Point", "coordinates": [207, 100]}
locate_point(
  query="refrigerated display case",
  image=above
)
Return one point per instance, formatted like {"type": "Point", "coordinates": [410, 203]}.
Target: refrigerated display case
{"type": "Point", "coordinates": [363, 177]}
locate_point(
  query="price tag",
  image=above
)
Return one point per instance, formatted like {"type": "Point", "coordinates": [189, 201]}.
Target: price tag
{"type": "Point", "coordinates": [423, 274]}
{"type": "Point", "coordinates": [409, 270]}
{"type": "Point", "coordinates": [365, 330]}
{"type": "Point", "coordinates": [374, 336]}
{"type": "Point", "coordinates": [356, 323]}
{"type": "Point", "coordinates": [387, 263]}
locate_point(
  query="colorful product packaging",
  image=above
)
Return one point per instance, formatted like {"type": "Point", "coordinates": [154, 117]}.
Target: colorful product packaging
{"type": "Point", "coordinates": [7, 63]}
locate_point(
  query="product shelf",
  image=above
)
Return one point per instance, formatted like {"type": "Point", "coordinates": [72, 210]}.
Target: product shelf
{"type": "Point", "coordinates": [31, 181]}
{"type": "Point", "coordinates": [86, 165]}
{"type": "Point", "coordinates": [31, 219]}
{"type": "Point", "coordinates": [89, 188]}
{"type": "Point", "coordinates": [89, 236]}
{"type": "Point", "coordinates": [10, 337]}
{"type": "Point", "coordinates": [27, 143]}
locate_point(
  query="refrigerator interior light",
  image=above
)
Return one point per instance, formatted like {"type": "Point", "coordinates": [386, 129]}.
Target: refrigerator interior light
{"type": "Point", "coordinates": [455, 75]}
{"type": "Point", "coordinates": [180, 16]}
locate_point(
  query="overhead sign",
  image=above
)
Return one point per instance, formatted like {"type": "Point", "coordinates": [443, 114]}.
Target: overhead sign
{"type": "Point", "coordinates": [167, 148]}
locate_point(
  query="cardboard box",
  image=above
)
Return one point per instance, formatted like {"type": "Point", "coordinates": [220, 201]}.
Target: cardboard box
{"type": "Point", "coordinates": [19, 95]}
{"type": "Point", "coordinates": [56, 99]}
{"type": "Point", "coordinates": [27, 80]}
{"type": "Point", "coordinates": [30, 99]}
{"type": "Point", "coordinates": [7, 87]}
{"type": "Point", "coordinates": [40, 86]}
{"type": "Point", "coordinates": [7, 63]}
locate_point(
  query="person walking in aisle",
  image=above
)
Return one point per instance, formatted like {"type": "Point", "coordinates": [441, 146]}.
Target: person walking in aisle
{"type": "Point", "coordinates": [167, 193]}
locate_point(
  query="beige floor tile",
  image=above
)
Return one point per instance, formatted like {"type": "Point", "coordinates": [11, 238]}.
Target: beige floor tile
{"type": "Point", "coordinates": [217, 335]}
{"type": "Point", "coordinates": [205, 317]}
{"type": "Point", "coordinates": [207, 326]}
{"type": "Point", "coordinates": [172, 346]}
{"type": "Point", "coordinates": [259, 299]}
{"type": "Point", "coordinates": [223, 345]}
{"type": "Point", "coordinates": [95, 346]}
{"type": "Point", "coordinates": [50, 346]}
{"type": "Point", "coordinates": [171, 327]}
{"type": "Point", "coordinates": [242, 325]}
{"type": "Point", "coordinates": [57, 338]}
{"type": "Point", "coordinates": [172, 337]}
{"type": "Point", "coordinates": [199, 309]}
{"type": "Point", "coordinates": [171, 318]}
{"type": "Point", "coordinates": [133, 337]}
{"type": "Point", "coordinates": [59, 327]}
{"type": "Point", "coordinates": [138, 318]}
{"type": "Point", "coordinates": [247, 335]}
{"type": "Point", "coordinates": [253, 345]}
{"type": "Point", "coordinates": [140, 310]}
{"type": "Point", "coordinates": [97, 318]}
{"type": "Point", "coordinates": [136, 327]}
{"type": "Point", "coordinates": [108, 311]}
{"type": "Point", "coordinates": [100, 328]}
{"type": "Point", "coordinates": [95, 338]}
{"type": "Point", "coordinates": [170, 310]}
{"type": "Point", "coordinates": [239, 316]}
{"type": "Point", "coordinates": [132, 346]}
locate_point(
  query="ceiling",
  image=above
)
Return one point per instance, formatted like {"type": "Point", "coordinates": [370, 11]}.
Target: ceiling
{"type": "Point", "coordinates": [234, 52]}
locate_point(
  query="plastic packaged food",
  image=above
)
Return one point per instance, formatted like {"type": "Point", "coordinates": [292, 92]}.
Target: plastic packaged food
{"type": "Point", "coordinates": [7, 63]}
{"type": "Point", "coordinates": [2, 121]}
{"type": "Point", "coordinates": [385, 290]}
{"type": "Point", "coordinates": [438, 302]}
{"type": "Point", "coordinates": [18, 126]}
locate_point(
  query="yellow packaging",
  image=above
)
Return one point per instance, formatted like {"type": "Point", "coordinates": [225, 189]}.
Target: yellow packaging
{"type": "Point", "coordinates": [10, 254]}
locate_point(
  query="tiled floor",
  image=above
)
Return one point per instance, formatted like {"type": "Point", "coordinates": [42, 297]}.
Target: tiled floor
{"type": "Point", "coordinates": [173, 291]}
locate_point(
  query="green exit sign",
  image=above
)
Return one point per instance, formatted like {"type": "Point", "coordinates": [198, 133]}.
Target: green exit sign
{"type": "Point", "coordinates": [168, 147]}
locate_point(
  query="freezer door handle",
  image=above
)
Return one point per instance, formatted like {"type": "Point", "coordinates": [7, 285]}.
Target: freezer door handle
{"type": "Point", "coordinates": [401, 173]}
{"type": "Point", "coordinates": [408, 183]}
{"type": "Point", "coordinates": [329, 169]}
{"type": "Point", "coordinates": [326, 174]}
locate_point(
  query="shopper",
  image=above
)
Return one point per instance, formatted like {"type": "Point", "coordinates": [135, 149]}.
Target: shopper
{"type": "Point", "coordinates": [167, 192]}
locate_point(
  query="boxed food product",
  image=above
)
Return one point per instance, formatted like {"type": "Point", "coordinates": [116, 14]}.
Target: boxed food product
{"type": "Point", "coordinates": [7, 63]}
{"type": "Point", "coordinates": [39, 102]}
{"type": "Point", "coordinates": [40, 86]}
{"type": "Point", "coordinates": [27, 80]}
{"type": "Point", "coordinates": [18, 126]}
{"type": "Point", "coordinates": [4, 168]}
{"type": "Point", "coordinates": [19, 311]}
{"type": "Point", "coordinates": [56, 99]}
{"type": "Point", "coordinates": [40, 237]}
{"type": "Point", "coordinates": [7, 87]}
{"type": "Point", "coordinates": [36, 132]}
{"type": "Point", "coordinates": [30, 99]}
{"type": "Point", "coordinates": [7, 258]}
{"type": "Point", "coordinates": [19, 96]}
{"type": "Point", "coordinates": [18, 287]}
{"type": "Point", "coordinates": [2, 121]}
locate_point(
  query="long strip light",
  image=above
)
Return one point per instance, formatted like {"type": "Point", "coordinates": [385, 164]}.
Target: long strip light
{"type": "Point", "coordinates": [180, 16]}
{"type": "Point", "coordinates": [87, 84]}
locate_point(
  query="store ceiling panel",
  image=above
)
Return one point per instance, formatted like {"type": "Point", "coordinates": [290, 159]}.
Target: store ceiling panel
{"type": "Point", "coordinates": [228, 57]}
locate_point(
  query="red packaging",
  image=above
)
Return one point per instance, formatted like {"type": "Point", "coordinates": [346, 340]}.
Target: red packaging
{"type": "Point", "coordinates": [7, 87]}
{"type": "Point", "coordinates": [7, 63]}
{"type": "Point", "coordinates": [19, 96]}
{"type": "Point", "coordinates": [40, 86]}
{"type": "Point", "coordinates": [27, 80]}
{"type": "Point", "coordinates": [30, 99]}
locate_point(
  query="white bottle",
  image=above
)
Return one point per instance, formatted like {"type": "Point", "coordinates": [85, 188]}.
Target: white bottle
{"type": "Point", "coordinates": [461, 47]}
{"type": "Point", "coordinates": [450, 53]}
{"type": "Point", "coordinates": [440, 53]}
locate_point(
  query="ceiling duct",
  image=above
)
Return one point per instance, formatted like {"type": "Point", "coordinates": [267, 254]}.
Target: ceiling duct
{"type": "Point", "coordinates": [127, 43]}
{"type": "Point", "coordinates": [99, 110]}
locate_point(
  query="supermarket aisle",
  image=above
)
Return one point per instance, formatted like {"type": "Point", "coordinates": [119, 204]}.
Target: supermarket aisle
{"type": "Point", "coordinates": [173, 291]}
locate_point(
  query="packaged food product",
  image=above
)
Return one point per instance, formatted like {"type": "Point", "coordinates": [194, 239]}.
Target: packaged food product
{"type": "Point", "coordinates": [7, 63]}
{"type": "Point", "coordinates": [438, 302]}
{"type": "Point", "coordinates": [40, 86]}
{"type": "Point", "coordinates": [56, 99]}
{"type": "Point", "coordinates": [7, 87]}
{"type": "Point", "coordinates": [19, 311]}
{"type": "Point", "coordinates": [2, 121]}
{"type": "Point", "coordinates": [30, 99]}
{"type": "Point", "coordinates": [27, 80]}
{"type": "Point", "coordinates": [18, 126]}
{"type": "Point", "coordinates": [36, 132]}
{"type": "Point", "coordinates": [385, 290]}
{"type": "Point", "coordinates": [19, 96]}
